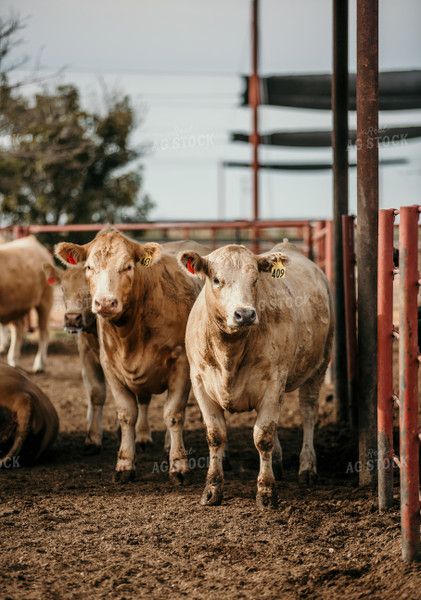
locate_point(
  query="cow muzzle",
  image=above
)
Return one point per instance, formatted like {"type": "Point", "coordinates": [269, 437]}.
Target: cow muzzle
{"type": "Point", "coordinates": [245, 317]}
{"type": "Point", "coordinates": [73, 322]}
{"type": "Point", "coordinates": [106, 307]}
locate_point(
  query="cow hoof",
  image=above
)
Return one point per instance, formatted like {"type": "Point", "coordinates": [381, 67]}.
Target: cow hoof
{"type": "Point", "coordinates": [92, 449]}
{"type": "Point", "coordinates": [212, 496]}
{"type": "Point", "coordinates": [278, 471]}
{"type": "Point", "coordinates": [178, 479]}
{"type": "Point", "coordinates": [122, 477]}
{"type": "Point", "coordinates": [307, 478]}
{"type": "Point", "coordinates": [144, 445]}
{"type": "Point", "coordinates": [266, 500]}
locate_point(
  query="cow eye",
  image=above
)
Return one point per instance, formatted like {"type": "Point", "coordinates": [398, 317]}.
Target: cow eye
{"type": "Point", "coordinates": [88, 268]}
{"type": "Point", "coordinates": [128, 268]}
{"type": "Point", "coordinates": [216, 281]}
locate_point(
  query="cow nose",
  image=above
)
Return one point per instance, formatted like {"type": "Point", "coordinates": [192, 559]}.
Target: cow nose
{"type": "Point", "coordinates": [105, 304]}
{"type": "Point", "coordinates": [73, 319]}
{"type": "Point", "coordinates": [245, 316]}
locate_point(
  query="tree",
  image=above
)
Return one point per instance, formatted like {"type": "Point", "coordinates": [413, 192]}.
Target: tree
{"type": "Point", "coordinates": [60, 164]}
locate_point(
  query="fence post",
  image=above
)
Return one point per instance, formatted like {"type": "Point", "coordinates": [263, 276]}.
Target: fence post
{"type": "Point", "coordinates": [350, 315]}
{"type": "Point", "coordinates": [385, 359]}
{"type": "Point", "coordinates": [408, 382]}
{"type": "Point", "coordinates": [329, 252]}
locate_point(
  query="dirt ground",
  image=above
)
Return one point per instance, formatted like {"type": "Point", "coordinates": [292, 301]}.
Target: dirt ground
{"type": "Point", "coordinates": [67, 532]}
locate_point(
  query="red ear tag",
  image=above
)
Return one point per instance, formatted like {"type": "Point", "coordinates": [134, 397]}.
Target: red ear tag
{"type": "Point", "coordinates": [70, 259]}
{"type": "Point", "coordinates": [189, 266]}
{"type": "Point", "coordinates": [51, 280]}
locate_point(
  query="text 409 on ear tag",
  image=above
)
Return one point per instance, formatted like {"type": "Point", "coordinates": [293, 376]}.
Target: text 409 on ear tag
{"type": "Point", "coordinates": [278, 271]}
{"type": "Point", "coordinates": [146, 260]}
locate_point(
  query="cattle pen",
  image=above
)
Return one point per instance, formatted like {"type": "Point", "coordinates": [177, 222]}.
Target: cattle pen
{"type": "Point", "coordinates": [315, 240]}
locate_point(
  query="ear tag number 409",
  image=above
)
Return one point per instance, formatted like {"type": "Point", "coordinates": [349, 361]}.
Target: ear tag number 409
{"type": "Point", "coordinates": [278, 271]}
{"type": "Point", "coordinates": [146, 260]}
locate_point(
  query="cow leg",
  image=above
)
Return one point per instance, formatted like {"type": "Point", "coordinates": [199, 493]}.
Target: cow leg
{"type": "Point", "coordinates": [174, 411]}
{"type": "Point", "coordinates": [309, 397]}
{"type": "Point", "coordinates": [4, 338]}
{"type": "Point", "coordinates": [216, 435]}
{"type": "Point", "coordinates": [94, 381]}
{"type": "Point", "coordinates": [127, 411]}
{"type": "Point", "coordinates": [143, 428]}
{"type": "Point", "coordinates": [17, 329]}
{"type": "Point", "coordinates": [277, 458]}
{"type": "Point", "coordinates": [264, 434]}
{"type": "Point", "coordinates": [43, 331]}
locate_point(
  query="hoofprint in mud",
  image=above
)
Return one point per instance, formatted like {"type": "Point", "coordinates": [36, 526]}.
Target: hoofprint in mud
{"type": "Point", "coordinates": [142, 299]}
{"type": "Point", "coordinates": [262, 325]}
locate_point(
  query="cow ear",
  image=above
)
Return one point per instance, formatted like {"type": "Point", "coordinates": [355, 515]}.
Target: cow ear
{"type": "Point", "coordinates": [70, 254]}
{"type": "Point", "coordinates": [266, 262]}
{"type": "Point", "coordinates": [193, 263]}
{"type": "Point", "coordinates": [52, 274]}
{"type": "Point", "coordinates": [148, 254]}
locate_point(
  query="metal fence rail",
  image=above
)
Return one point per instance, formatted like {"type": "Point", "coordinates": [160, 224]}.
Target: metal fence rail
{"type": "Point", "coordinates": [408, 372]}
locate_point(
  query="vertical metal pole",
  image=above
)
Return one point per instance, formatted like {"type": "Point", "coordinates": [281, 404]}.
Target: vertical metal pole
{"type": "Point", "coordinates": [385, 359]}
{"type": "Point", "coordinates": [367, 219]}
{"type": "Point", "coordinates": [350, 315]}
{"type": "Point", "coordinates": [320, 225]}
{"type": "Point", "coordinates": [408, 382]}
{"type": "Point", "coordinates": [308, 241]}
{"type": "Point", "coordinates": [329, 253]}
{"type": "Point", "coordinates": [254, 103]}
{"type": "Point", "coordinates": [340, 198]}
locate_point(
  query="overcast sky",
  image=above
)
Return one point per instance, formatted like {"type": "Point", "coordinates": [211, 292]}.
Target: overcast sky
{"type": "Point", "coordinates": [180, 62]}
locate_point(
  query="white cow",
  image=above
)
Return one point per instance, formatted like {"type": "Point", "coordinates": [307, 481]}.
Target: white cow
{"type": "Point", "coordinates": [261, 326]}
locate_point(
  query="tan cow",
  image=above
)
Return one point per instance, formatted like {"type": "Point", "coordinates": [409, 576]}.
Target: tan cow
{"type": "Point", "coordinates": [142, 299]}
{"type": "Point", "coordinates": [252, 337]}
{"type": "Point", "coordinates": [28, 419]}
{"type": "Point", "coordinates": [78, 318]}
{"type": "Point", "coordinates": [22, 287]}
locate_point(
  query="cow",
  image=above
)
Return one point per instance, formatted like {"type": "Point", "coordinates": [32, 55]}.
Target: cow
{"type": "Point", "coordinates": [261, 326]}
{"type": "Point", "coordinates": [79, 319]}
{"type": "Point", "coordinates": [142, 299]}
{"type": "Point", "coordinates": [29, 422]}
{"type": "Point", "coordinates": [22, 287]}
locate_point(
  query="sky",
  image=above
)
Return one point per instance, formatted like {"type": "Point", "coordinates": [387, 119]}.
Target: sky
{"type": "Point", "coordinates": [180, 61]}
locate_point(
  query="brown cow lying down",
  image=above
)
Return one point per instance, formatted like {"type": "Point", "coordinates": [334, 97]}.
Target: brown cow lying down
{"type": "Point", "coordinates": [22, 287]}
{"type": "Point", "coordinates": [251, 337]}
{"type": "Point", "coordinates": [142, 299]}
{"type": "Point", "coordinates": [28, 420]}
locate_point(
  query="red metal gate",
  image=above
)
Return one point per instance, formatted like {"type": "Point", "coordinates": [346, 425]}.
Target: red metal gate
{"type": "Point", "coordinates": [408, 460]}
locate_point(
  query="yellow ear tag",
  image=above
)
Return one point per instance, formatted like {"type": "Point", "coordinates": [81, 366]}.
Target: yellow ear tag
{"type": "Point", "coordinates": [278, 271]}
{"type": "Point", "coordinates": [146, 260]}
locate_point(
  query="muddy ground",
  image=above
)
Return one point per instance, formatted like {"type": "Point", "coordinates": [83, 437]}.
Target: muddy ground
{"type": "Point", "coordinates": [67, 532]}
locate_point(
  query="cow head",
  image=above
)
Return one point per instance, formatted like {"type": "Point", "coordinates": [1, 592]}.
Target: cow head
{"type": "Point", "coordinates": [76, 296]}
{"type": "Point", "coordinates": [111, 262]}
{"type": "Point", "coordinates": [232, 275]}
